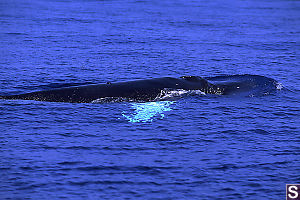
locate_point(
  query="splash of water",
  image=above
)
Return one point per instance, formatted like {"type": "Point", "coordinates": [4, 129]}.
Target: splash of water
{"type": "Point", "coordinates": [146, 112]}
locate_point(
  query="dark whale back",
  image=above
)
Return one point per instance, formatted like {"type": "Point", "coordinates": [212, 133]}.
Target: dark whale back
{"type": "Point", "coordinates": [151, 89]}
{"type": "Point", "coordinates": [140, 90]}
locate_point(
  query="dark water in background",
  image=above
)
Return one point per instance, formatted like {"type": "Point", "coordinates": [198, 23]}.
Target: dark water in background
{"type": "Point", "coordinates": [200, 147]}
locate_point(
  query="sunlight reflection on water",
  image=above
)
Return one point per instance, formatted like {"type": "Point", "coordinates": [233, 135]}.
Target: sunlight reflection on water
{"type": "Point", "coordinates": [146, 112]}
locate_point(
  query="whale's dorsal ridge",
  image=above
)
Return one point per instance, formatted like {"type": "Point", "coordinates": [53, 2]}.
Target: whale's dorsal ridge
{"type": "Point", "coordinates": [191, 78]}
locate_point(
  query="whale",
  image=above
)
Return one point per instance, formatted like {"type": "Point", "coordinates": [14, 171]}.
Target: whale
{"type": "Point", "coordinates": [148, 89]}
{"type": "Point", "coordinates": [138, 90]}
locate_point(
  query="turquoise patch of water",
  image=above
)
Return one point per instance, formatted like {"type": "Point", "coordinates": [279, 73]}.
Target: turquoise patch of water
{"type": "Point", "coordinates": [147, 112]}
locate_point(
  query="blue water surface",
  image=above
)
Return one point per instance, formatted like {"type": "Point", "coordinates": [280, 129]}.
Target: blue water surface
{"type": "Point", "coordinates": [196, 147]}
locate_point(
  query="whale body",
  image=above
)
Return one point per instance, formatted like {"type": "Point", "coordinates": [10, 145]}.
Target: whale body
{"type": "Point", "coordinates": [149, 89]}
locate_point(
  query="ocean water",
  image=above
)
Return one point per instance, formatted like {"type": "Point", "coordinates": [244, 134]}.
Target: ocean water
{"type": "Point", "coordinates": [195, 147]}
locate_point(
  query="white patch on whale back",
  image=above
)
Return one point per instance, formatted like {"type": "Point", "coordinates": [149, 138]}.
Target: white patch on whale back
{"type": "Point", "coordinates": [171, 94]}
{"type": "Point", "coordinates": [112, 100]}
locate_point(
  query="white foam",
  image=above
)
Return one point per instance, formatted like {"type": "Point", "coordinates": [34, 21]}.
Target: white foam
{"type": "Point", "coordinates": [279, 86]}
